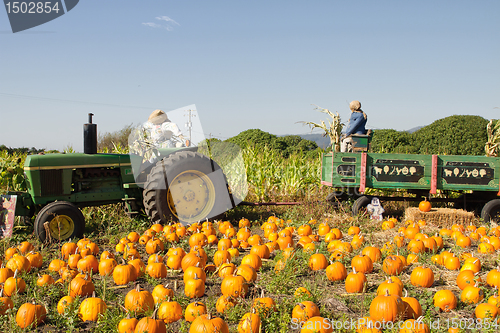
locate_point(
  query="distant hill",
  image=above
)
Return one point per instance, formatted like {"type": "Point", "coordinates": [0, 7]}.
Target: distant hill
{"type": "Point", "coordinates": [321, 141]}
{"type": "Point", "coordinates": [324, 141]}
{"type": "Point", "coordinates": [414, 129]}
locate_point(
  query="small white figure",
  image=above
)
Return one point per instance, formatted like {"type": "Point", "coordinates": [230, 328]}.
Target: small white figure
{"type": "Point", "coordinates": [375, 209]}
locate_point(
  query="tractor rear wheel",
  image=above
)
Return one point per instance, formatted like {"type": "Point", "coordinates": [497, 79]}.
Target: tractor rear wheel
{"type": "Point", "coordinates": [187, 187]}
{"type": "Point", "coordinates": [61, 219]}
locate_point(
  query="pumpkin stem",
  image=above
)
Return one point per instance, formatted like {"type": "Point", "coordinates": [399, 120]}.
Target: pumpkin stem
{"type": "Point", "coordinates": [153, 316]}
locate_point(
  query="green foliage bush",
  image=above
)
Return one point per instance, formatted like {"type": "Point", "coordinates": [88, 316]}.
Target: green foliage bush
{"type": "Point", "coordinates": [392, 141]}
{"type": "Point", "coordinates": [22, 150]}
{"type": "Point", "coordinates": [286, 145]}
{"type": "Point", "coordinates": [111, 141]}
{"type": "Point", "coordinates": [454, 135]}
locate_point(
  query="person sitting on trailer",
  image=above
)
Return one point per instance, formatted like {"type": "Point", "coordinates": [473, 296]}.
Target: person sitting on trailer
{"type": "Point", "coordinates": [356, 125]}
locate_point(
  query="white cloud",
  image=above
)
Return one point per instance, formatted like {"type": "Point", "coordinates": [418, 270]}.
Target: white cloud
{"type": "Point", "coordinates": [167, 23]}
{"type": "Point", "coordinates": [167, 19]}
{"type": "Point", "coordinates": [152, 25]}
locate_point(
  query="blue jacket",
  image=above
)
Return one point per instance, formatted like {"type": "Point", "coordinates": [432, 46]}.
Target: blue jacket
{"type": "Point", "coordinates": [356, 124]}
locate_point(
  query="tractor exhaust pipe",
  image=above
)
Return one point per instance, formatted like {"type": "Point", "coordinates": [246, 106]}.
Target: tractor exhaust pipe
{"type": "Point", "coordinates": [90, 137]}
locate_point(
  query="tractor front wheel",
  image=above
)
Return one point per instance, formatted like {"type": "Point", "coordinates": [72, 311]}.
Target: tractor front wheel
{"type": "Point", "coordinates": [59, 220]}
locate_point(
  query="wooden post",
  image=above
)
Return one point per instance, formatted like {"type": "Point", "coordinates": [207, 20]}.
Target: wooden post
{"type": "Point", "coordinates": [362, 180]}
{"type": "Point", "coordinates": [434, 174]}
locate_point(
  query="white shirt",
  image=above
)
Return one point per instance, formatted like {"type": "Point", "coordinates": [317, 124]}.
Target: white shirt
{"type": "Point", "coordinates": [161, 134]}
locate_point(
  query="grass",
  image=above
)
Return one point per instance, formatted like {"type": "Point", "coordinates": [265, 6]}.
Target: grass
{"type": "Point", "coordinates": [270, 178]}
{"type": "Point", "coordinates": [106, 225]}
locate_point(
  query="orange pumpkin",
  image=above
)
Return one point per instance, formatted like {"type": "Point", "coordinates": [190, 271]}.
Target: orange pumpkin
{"type": "Point", "coordinates": [318, 261]}
{"type": "Point", "coordinates": [30, 314]}
{"type": "Point", "coordinates": [305, 310]}
{"type": "Point", "coordinates": [139, 301]}
{"type": "Point", "coordinates": [445, 300]}
{"type": "Point", "coordinates": [250, 322]}
{"type": "Point", "coordinates": [336, 271]}
{"type": "Point", "coordinates": [422, 277]}
{"type": "Point", "coordinates": [386, 308]}
{"type": "Point", "coordinates": [355, 282]}
{"type": "Point", "coordinates": [194, 310]}
{"type": "Point", "coordinates": [425, 206]}
{"type": "Point", "coordinates": [65, 303]}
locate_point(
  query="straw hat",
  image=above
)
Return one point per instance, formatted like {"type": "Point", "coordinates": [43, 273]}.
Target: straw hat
{"type": "Point", "coordinates": [157, 117]}
{"type": "Point", "coordinates": [355, 106]}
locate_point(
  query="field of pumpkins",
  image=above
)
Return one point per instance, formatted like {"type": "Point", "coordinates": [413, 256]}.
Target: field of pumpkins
{"type": "Point", "coordinates": [329, 274]}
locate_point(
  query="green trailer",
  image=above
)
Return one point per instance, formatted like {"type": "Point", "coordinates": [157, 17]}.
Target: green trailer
{"type": "Point", "coordinates": [476, 177]}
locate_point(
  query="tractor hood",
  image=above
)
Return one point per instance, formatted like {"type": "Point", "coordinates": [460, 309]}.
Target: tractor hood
{"type": "Point", "coordinates": [77, 160]}
{"type": "Point", "coordinates": [67, 176]}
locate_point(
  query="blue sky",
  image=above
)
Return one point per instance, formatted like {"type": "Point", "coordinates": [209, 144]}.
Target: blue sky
{"type": "Point", "coordinates": [247, 64]}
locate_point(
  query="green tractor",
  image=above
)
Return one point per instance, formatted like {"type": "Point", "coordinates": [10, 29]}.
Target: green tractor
{"type": "Point", "coordinates": [185, 184]}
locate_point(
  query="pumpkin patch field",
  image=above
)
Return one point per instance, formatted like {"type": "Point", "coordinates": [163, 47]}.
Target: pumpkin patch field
{"type": "Point", "coordinates": [306, 268]}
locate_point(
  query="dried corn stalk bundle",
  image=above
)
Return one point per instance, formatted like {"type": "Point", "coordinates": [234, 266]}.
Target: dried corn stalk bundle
{"type": "Point", "coordinates": [333, 129]}
{"type": "Point", "coordinates": [492, 146]}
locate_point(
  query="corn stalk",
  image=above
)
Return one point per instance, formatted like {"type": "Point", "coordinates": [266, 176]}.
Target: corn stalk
{"type": "Point", "coordinates": [11, 171]}
{"type": "Point", "coordinates": [492, 146]}
{"type": "Point", "coordinates": [272, 177]}
{"type": "Point", "coordinates": [332, 129]}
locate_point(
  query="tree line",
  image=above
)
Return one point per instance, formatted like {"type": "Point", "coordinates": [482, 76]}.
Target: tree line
{"type": "Point", "coordinates": [453, 135]}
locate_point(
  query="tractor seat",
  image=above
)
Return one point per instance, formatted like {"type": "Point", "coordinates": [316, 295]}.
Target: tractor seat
{"type": "Point", "coordinates": [361, 142]}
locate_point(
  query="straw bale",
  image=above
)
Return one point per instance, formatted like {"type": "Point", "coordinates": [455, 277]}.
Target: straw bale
{"type": "Point", "coordinates": [441, 217]}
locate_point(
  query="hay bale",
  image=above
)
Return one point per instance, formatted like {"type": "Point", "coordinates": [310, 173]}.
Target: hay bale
{"type": "Point", "coordinates": [441, 217]}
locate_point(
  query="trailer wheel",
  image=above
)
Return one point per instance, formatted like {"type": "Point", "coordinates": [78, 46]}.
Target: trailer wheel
{"type": "Point", "coordinates": [334, 199]}
{"type": "Point", "coordinates": [62, 219]}
{"type": "Point", "coordinates": [491, 211]}
{"type": "Point", "coordinates": [187, 187]}
{"type": "Point", "coordinates": [359, 206]}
